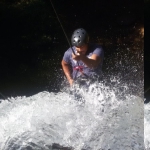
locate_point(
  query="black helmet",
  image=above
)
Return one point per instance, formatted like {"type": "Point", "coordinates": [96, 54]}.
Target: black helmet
{"type": "Point", "coordinates": [79, 37]}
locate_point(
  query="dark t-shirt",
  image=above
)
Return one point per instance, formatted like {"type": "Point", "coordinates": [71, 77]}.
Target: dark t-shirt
{"type": "Point", "coordinates": [92, 49]}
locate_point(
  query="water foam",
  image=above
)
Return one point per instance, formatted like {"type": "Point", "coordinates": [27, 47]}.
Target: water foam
{"type": "Point", "coordinates": [91, 119]}
{"type": "Point", "coordinates": [147, 126]}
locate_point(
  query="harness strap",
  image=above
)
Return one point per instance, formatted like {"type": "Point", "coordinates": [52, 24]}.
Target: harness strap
{"type": "Point", "coordinates": [80, 69]}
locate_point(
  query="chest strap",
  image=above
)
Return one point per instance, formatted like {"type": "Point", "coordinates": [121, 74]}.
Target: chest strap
{"type": "Point", "coordinates": [80, 69]}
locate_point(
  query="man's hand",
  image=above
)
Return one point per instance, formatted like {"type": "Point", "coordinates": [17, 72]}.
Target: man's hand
{"type": "Point", "coordinates": [78, 56]}
{"type": "Point", "coordinates": [91, 62]}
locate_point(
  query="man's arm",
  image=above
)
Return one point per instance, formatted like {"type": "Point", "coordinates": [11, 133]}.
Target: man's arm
{"type": "Point", "coordinates": [91, 62]}
{"type": "Point", "coordinates": [67, 71]}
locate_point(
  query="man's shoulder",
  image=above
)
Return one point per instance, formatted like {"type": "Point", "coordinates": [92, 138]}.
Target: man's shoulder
{"type": "Point", "coordinates": [68, 53]}
{"type": "Point", "coordinates": [69, 50]}
{"type": "Point", "coordinates": [95, 46]}
{"type": "Point", "coordinates": [96, 49]}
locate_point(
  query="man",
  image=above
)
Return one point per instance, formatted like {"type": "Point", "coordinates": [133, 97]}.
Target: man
{"type": "Point", "coordinates": [83, 60]}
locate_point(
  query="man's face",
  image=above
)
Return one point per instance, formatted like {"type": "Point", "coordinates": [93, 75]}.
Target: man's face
{"type": "Point", "coordinates": [82, 49]}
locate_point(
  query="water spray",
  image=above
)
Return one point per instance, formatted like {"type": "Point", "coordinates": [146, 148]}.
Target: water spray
{"type": "Point", "coordinates": [2, 95]}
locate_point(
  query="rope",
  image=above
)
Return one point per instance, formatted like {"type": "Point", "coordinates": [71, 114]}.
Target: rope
{"type": "Point", "coordinates": [62, 27]}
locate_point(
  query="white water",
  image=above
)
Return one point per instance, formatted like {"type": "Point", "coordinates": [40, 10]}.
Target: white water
{"type": "Point", "coordinates": [147, 126]}
{"type": "Point", "coordinates": [97, 120]}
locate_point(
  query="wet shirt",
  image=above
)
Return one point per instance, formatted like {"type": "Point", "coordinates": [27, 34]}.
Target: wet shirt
{"type": "Point", "coordinates": [92, 49]}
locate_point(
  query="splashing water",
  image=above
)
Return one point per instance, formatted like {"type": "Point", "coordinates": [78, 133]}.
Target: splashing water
{"type": "Point", "coordinates": [106, 115]}
{"type": "Point", "coordinates": [86, 119]}
{"type": "Point", "coordinates": [147, 126]}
